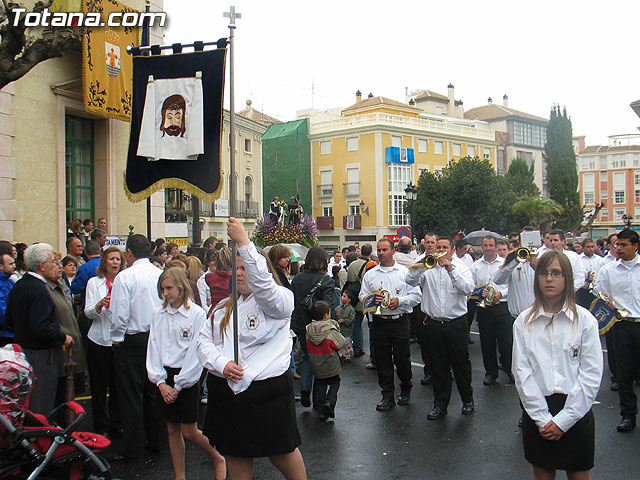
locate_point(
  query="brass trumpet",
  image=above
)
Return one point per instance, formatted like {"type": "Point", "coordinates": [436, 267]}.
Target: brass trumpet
{"type": "Point", "coordinates": [488, 301]}
{"type": "Point", "coordinates": [429, 261]}
{"type": "Point", "coordinates": [521, 255]}
{"type": "Point", "coordinates": [386, 300]}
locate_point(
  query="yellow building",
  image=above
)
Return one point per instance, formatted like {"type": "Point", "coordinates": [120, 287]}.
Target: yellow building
{"type": "Point", "coordinates": [364, 156]}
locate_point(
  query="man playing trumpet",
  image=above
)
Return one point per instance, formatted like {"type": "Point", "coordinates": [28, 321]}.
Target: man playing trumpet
{"type": "Point", "coordinates": [494, 321]}
{"type": "Point", "coordinates": [394, 300]}
{"type": "Point", "coordinates": [444, 301]}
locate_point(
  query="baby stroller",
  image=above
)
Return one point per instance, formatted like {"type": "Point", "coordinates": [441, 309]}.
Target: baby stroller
{"type": "Point", "coordinates": [34, 446]}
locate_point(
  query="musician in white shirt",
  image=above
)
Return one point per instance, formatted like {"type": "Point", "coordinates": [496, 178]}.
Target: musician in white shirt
{"type": "Point", "coordinates": [557, 243]}
{"type": "Point", "coordinates": [391, 340]}
{"type": "Point", "coordinates": [134, 298]}
{"type": "Point", "coordinates": [494, 321]}
{"type": "Point", "coordinates": [589, 259]}
{"type": "Point", "coordinates": [621, 282]}
{"type": "Point", "coordinates": [557, 364]}
{"type": "Point", "coordinates": [444, 301]}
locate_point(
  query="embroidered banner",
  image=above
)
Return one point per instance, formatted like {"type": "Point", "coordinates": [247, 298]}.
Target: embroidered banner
{"type": "Point", "coordinates": [107, 69]}
{"type": "Point", "coordinates": [176, 124]}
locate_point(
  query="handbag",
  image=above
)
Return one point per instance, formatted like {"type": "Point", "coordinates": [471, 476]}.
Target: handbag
{"type": "Point", "coordinates": [309, 300]}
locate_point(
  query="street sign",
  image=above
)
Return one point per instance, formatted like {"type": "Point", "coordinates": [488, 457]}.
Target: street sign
{"type": "Point", "coordinates": [404, 232]}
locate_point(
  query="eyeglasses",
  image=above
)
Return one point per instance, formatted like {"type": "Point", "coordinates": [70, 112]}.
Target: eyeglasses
{"type": "Point", "coordinates": [622, 245]}
{"type": "Point", "coordinates": [554, 274]}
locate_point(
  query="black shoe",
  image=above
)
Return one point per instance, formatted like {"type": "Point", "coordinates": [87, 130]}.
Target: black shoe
{"type": "Point", "coordinates": [332, 411]}
{"type": "Point", "coordinates": [436, 413]}
{"type": "Point", "coordinates": [467, 408]}
{"type": "Point", "coordinates": [305, 398]}
{"type": "Point", "coordinates": [404, 398]}
{"type": "Point", "coordinates": [324, 412]}
{"type": "Point", "coordinates": [426, 380]}
{"type": "Point", "coordinates": [489, 379]}
{"type": "Point", "coordinates": [385, 404]}
{"type": "Point", "coordinates": [614, 386]}
{"type": "Point", "coordinates": [627, 424]}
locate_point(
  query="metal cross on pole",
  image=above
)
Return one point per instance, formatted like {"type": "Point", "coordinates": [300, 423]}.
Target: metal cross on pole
{"type": "Point", "coordinates": [232, 15]}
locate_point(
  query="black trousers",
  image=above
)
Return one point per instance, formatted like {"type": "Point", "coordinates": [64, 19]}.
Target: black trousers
{"type": "Point", "coordinates": [627, 342]}
{"type": "Point", "coordinates": [325, 390]}
{"type": "Point", "coordinates": [102, 380]}
{"type": "Point", "coordinates": [495, 324]}
{"type": "Point", "coordinates": [449, 350]}
{"type": "Point", "coordinates": [45, 364]}
{"type": "Point", "coordinates": [137, 397]}
{"type": "Point", "coordinates": [391, 347]}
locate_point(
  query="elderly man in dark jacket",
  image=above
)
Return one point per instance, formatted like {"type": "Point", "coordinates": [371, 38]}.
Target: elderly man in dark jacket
{"type": "Point", "coordinates": [31, 314]}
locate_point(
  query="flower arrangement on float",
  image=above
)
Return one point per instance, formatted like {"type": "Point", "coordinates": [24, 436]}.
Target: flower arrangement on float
{"type": "Point", "coordinates": [269, 233]}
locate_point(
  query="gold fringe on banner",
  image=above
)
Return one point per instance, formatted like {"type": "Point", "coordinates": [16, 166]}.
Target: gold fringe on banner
{"type": "Point", "coordinates": [173, 183]}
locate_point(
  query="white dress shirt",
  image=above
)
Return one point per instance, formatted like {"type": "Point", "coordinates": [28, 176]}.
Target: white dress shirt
{"type": "Point", "coordinates": [519, 277]}
{"type": "Point", "coordinates": [391, 278]}
{"type": "Point", "coordinates": [134, 298]}
{"type": "Point", "coordinates": [557, 353]}
{"type": "Point", "coordinates": [483, 272]}
{"type": "Point", "coordinates": [404, 259]}
{"type": "Point", "coordinates": [263, 328]}
{"type": "Point", "coordinates": [542, 250]}
{"type": "Point", "coordinates": [621, 281]}
{"type": "Point", "coordinates": [173, 343]}
{"type": "Point", "coordinates": [579, 273]}
{"type": "Point", "coordinates": [100, 330]}
{"type": "Point", "coordinates": [444, 294]}
{"type": "Point", "coordinates": [204, 290]}
{"type": "Point", "coordinates": [606, 260]}
{"type": "Point", "coordinates": [467, 259]}
{"type": "Point", "coordinates": [592, 263]}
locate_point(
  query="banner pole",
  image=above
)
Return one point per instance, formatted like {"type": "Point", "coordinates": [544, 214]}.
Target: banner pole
{"type": "Point", "coordinates": [232, 15]}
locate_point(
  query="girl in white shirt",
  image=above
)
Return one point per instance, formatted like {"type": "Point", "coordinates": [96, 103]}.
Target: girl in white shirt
{"type": "Point", "coordinates": [557, 364]}
{"type": "Point", "coordinates": [173, 366]}
{"type": "Point", "coordinates": [251, 410]}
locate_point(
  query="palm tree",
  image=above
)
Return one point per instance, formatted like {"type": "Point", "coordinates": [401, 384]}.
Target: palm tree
{"type": "Point", "coordinates": [541, 212]}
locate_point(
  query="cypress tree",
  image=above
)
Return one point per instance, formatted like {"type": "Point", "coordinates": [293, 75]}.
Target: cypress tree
{"type": "Point", "coordinates": [562, 172]}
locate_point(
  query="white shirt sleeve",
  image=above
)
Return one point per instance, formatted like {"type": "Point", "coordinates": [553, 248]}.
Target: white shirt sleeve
{"type": "Point", "coordinates": [462, 279]}
{"type": "Point", "coordinates": [92, 297]}
{"type": "Point", "coordinates": [120, 310]}
{"type": "Point", "coordinates": [209, 352]}
{"type": "Point", "coordinates": [204, 290]}
{"type": "Point", "coordinates": [155, 369]}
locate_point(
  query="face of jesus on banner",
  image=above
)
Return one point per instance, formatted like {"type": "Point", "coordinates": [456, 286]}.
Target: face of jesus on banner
{"type": "Point", "coordinates": [173, 112]}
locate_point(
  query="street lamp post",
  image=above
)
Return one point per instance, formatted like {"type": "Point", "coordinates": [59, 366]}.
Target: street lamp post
{"type": "Point", "coordinates": [627, 219]}
{"type": "Point", "coordinates": [412, 194]}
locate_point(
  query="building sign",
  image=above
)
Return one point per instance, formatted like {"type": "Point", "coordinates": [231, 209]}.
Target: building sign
{"type": "Point", "coordinates": [394, 238]}
{"type": "Point", "coordinates": [119, 241]}
{"type": "Point", "coordinates": [180, 241]}
{"type": "Point", "coordinates": [399, 155]}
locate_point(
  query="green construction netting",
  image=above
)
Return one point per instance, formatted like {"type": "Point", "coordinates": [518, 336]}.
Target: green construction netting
{"type": "Point", "coordinates": [286, 163]}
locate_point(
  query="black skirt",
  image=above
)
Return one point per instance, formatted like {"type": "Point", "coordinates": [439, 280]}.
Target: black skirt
{"type": "Point", "coordinates": [259, 422]}
{"type": "Point", "coordinates": [185, 408]}
{"type": "Point", "coordinates": [574, 451]}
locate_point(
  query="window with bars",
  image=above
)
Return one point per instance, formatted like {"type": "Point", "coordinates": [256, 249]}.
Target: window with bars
{"type": "Point", "coordinates": [79, 184]}
{"type": "Point", "coordinates": [399, 177]}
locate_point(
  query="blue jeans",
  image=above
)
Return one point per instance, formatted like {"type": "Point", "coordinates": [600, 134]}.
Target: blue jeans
{"type": "Point", "coordinates": [358, 333]}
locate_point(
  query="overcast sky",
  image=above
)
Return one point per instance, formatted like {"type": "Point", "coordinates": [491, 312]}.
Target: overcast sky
{"type": "Point", "coordinates": [578, 54]}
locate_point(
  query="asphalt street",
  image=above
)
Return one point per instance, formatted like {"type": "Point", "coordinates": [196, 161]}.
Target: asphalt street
{"type": "Point", "coordinates": [362, 443]}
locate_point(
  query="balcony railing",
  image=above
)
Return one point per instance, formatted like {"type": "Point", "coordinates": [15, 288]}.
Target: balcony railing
{"type": "Point", "coordinates": [324, 223]}
{"type": "Point", "coordinates": [351, 189]}
{"type": "Point", "coordinates": [423, 124]}
{"type": "Point", "coordinates": [244, 209]}
{"type": "Point", "coordinates": [325, 190]}
{"type": "Point", "coordinates": [352, 222]}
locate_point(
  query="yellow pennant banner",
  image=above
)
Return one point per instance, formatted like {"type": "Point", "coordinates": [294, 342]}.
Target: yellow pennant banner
{"type": "Point", "coordinates": [107, 68]}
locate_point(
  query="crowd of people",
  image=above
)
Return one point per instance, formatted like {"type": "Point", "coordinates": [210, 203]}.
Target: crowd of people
{"type": "Point", "coordinates": [151, 328]}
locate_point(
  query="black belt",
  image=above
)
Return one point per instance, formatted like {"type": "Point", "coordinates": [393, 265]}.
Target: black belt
{"type": "Point", "coordinates": [389, 317]}
{"type": "Point", "coordinates": [441, 320]}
